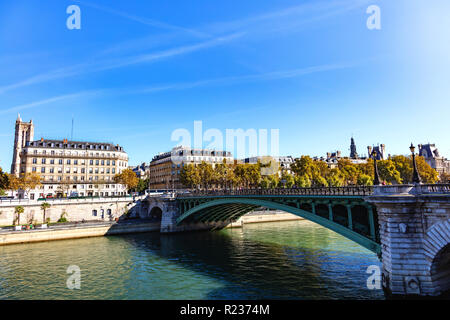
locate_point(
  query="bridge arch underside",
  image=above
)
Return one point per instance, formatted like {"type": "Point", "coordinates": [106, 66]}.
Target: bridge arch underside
{"type": "Point", "coordinates": [355, 222]}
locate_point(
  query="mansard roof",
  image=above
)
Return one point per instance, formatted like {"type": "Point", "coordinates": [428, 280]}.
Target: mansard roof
{"type": "Point", "coordinates": [429, 150]}
{"type": "Point", "coordinates": [66, 144]}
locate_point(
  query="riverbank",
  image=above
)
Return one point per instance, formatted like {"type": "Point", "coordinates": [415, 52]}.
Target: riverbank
{"type": "Point", "coordinates": [267, 216]}
{"type": "Point", "coordinates": [77, 231]}
{"type": "Point", "coordinates": [98, 229]}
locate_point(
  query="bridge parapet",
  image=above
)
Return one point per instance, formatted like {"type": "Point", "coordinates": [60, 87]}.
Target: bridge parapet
{"type": "Point", "coordinates": [319, 191]}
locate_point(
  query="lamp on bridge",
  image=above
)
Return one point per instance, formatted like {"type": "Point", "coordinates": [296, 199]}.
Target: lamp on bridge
{"type": "Point", "coordinates": [376, 180]}
{"type": "Point", "coordinates": [416, 176]}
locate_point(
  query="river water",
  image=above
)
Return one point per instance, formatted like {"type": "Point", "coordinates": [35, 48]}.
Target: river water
{"type": "Point", "coordinates": [283, 260]}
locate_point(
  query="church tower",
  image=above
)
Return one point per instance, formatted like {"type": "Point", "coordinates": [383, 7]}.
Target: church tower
{"type": "Point", "coordinates": [353, 153]}
{"type": "Point", "coordinates": [24, 132]}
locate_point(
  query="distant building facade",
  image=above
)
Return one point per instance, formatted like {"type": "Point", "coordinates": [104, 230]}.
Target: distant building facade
{"type": "Point", "coordinates": [68, 167]}
{"type": "Point", "coordinates": [379, 150]}
{"type": "Point", "coordinates": [283, 162]}
{"type": "Point", "coordinates": [142, 171]}
{"type": "Point", "coordinates": [165, 168]}
{"type": "Point", "coordinates": [433, 158]}
{"type": "Point", "coordinates": [332, 158]}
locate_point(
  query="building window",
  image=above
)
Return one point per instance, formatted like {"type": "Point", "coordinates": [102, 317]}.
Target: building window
{"type": "Point", "coordinates": [94, 213]}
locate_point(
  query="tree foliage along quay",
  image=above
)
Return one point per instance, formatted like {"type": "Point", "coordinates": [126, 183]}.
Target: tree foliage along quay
{"type": "Point", "coordinates": [26, 181]}
{"type": "Point", "coordinates": [306, 172]}
{"type": "Point", "coordinates": [128, 178]}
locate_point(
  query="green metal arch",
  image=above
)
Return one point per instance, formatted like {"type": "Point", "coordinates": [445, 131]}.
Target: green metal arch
{"type": "Point", "coordinates": [346, 232]}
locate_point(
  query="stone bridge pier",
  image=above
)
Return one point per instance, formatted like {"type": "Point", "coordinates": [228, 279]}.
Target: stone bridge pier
{"type": "Point", "coordinates": [414, 229]}
{"type": "Point", "coordinates": [168, 208]}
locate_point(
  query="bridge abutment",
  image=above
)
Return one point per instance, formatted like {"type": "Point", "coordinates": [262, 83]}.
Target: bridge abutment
{"type": "Point", "coordinates": [415, 237]}
{"type": "Point", "coordinates": [171, 211]}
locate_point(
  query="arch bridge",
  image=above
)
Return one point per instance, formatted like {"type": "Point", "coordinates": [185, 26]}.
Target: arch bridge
{"type": "Point", "coordinates": [342, 210]}
{"type": "Point", "coordinates": [407, 226]}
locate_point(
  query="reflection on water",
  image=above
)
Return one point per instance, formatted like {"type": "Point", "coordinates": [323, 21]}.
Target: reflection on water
{"type": "Point", "coordinates": [284, 260]}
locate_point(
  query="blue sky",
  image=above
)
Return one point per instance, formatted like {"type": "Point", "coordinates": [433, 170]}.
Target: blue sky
{"type": "Point", "coordinates": [136, 71]}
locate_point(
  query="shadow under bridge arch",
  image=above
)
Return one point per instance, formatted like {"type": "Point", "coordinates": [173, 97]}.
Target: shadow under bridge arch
{"type": "Point", "coordinates": [231, 209]}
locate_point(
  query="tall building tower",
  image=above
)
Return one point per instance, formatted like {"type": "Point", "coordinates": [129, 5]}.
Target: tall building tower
{"type": "Point", "coordinates": [24, 132]}
{"type": "Point", "coordinates": [353, 153]}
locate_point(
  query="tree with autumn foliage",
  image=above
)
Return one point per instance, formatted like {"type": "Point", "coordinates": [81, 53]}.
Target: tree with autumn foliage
{"type": "Point", "coordinates": [190, 176]}
{"type": "Point", "coordinates": [127, 178]}
{"type": "Point", "coordinates": [4, 182]}
{"type": "Point", "coordinates": [26, 182]}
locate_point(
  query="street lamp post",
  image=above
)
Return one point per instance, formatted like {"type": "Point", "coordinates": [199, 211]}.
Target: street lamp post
{"type": "Point", "coordinates": [376, 180]}
{"type": "Point", "coordinates": [416, 176]}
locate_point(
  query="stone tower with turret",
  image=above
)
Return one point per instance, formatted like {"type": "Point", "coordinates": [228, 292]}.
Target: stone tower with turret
{"type": "Point", "coordinates": [353, 153]}
{"type": "Point", "coordinates": [24, 132]}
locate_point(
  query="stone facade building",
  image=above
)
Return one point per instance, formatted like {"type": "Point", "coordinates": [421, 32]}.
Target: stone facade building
{"type": "Point", "coordinates": [283, 163]}
{"type": "Point", "coordinates": [380, 151]}
{"type": "Point", "coordinates": [165, 167]}
{"type": "Point", "coordinates": [433, 158]}
{"type": "Point", "coordinates": [142, 171]}
{"type": "Point", "coordinates": [68, 167]}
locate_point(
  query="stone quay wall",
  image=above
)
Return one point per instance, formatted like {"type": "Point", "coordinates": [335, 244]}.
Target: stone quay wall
{"type": "Point", "coordinates": [75, 209]}
{"type": "Point", "coordinates": [72, 232]}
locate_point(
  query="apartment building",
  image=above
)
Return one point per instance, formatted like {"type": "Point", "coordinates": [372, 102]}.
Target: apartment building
{"type": "Point", "coordinates": [68, 167]}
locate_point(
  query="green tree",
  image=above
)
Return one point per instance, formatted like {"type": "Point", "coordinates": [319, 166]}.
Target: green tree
{"type": "Point", "coordinates": [337, 178]}
{"type": "Point", "coordinates": [206, 174]}
{"type": "Point", "coordinates": [230, 177]}
{"type": "Point", "coordinates": [388, 172]}
{"type": "Point", "coordinates": [220, 175]}
{"type": "Point", "coordinates": [44, 207]}
{"type": "Point", "coordinates": [303, 181]}
{"type": "Point", "coordinates": [142, 185]}
{"type": "Point", "coordinates": [365, 180]}
{"type": "Point", "coordinates": [4, 180]}
{"type": "Point", "coordinates": [265, 182]}
{"type": "Point", "coordinates": [18, 210]}
{"type": "Point", "coordinates": [190, 176]}
{"type": "Point", "coordinates": [253, 175]}
{"type": "Point", "coordinates": [288, 179]}
{"type": "Point", "coordinates": [426, 172]}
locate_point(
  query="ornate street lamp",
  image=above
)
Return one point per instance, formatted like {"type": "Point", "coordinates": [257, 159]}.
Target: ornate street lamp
{"type": "Point", "coordinates": [416, 176]}
{"type": "Point", "coordinates": [376, 180]}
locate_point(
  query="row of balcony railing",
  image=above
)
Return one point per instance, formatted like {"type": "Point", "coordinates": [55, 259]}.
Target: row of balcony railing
{"type": "Point", "coordinates": [79, 156]}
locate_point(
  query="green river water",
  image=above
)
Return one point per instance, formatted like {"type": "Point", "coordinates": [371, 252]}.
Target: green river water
{"type": "Point", "coordinates": [283, 260]}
